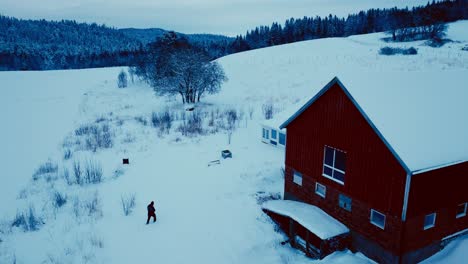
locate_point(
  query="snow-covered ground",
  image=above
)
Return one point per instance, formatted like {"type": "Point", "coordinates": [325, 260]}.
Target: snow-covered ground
{"type": "Point", "coordinates": [37, 110]}
{"type": "Point", "coordinates": [206, 214]}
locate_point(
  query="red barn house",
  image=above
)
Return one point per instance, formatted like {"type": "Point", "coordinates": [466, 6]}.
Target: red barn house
{"type": "Point", "coordinates": [386, 156]}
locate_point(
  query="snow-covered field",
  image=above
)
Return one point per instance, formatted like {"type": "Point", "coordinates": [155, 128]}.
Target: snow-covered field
{"type": "Point", "coordinates": [206, 214]}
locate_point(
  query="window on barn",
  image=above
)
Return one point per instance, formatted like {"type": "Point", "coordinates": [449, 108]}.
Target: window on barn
{"type": "Point", "coordinates": [377, 219]}
{"type": "Point", "coordinates": [282, 139]}
{"type": "Point", "coordinates": [334, 164]}
{"type": "Point", "coordinates": [461, 210]}
{"type": "Point", "coordinates": [345, 202]}
{"type": "Point", "coordinates": [320, 189]}
{"type": "Point", "coordinates": [429, 221]}
{"type": "Point", "coordinates": [297, 178]}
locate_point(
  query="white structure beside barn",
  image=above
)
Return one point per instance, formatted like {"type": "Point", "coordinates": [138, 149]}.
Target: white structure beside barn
{"type": "Point", "coordinates": [272, 134]}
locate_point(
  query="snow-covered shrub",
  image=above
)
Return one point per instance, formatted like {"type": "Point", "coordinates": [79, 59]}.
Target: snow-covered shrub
{"type": "Point", "coordinates": [77, 208]}
{"type": "Point", "coordinates": [93, 136]}
{"type": "Point", "coordinates": [432, 32]}
{"type": "Point", "coordinates": [410, 51]}
{"type": "Point", "coordinates": [231, 118]}
{"type": "Point", "coordinates": [392, 51]}
{"type": "Point", "coordinates": [84, 130]}
{"type": "Point", "coordinates": [77, 172]}
{"type": "Point", "coordinates": [66, 176]}
{"type": "Point", "coordinates": [129, 138]}
{"type": "Point", "coordinates": [122, 79]}
{"type": "Point", "coordinates": [93, 206]}
{"type": "Point", "coordinates": [387, 51]}
{"type": "Point", "coordinates": [263, 197]}
{"type": "Point", "coordinates": [162, 121]}
{"type": "Point", "coordinates": [211, 121]}
{"type": "Point", "coordinates": [120, 122]}
{"type": "Point", "coordinates": [101, 119]}
{"type": "Point", "coordinates": [5, 228]}
{"type": "Point", "coordinates": [23, 194]}
{"type": "Point", "coordinates": [27, 220]}
{"type": "Point", "coordinates": [100, 137]}
{"type": "Point", "coordinates": [437, 43]}
{"type": "Point", "coordinates": [128, 203]}
{"type": "Point", "coordinates": [193, 125]}
{"type": "Point", "coordinates": [47, 171]}
{"type": "Point", "coordinates": [58, 199]}
{"type": "Point", "coordinates": [251, 112]}
{"type": "Point", "coordinates": [88, 206]}
{"type": "Point", "coordinates": [92, 172]}
{"type": "Point", "coordinates": [267, 110]}
{"type": "Point", "coordinates": [142, 120]}
{"type": "Point", "coordinates": [20, 221]}
{"type": "Point", "coordinates": [67, 154]}
{"type": "Point", "coordinates": [96, 242]}
{"type": "Point", "coordinates": [241, 116]}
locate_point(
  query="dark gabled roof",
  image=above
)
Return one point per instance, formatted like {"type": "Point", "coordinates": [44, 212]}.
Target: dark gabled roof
{"type": "Point", "coordinates": [337, 81]}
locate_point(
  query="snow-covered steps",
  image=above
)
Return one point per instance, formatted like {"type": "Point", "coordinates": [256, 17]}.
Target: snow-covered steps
{"type": "Point", "coordinates": [308, 227]}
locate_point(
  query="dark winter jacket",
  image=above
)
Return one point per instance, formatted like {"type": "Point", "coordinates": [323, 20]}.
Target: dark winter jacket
{"type": "Point", "coordinates": [151, 209]}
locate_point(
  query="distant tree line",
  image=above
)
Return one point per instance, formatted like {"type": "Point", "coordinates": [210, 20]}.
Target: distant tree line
{"type": "Point", "coordinates": [47, 45]}
{"type": "Point", "coordinates": [370, 21]}
{"type": "Point", "coordinates": [67, 44]}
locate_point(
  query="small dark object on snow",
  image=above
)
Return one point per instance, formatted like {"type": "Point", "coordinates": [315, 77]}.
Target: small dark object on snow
{"type": "Point", "coordinates": [190, 109]}
{"type": "Point", "coordinates": [285, 242]}
{"type": "Point", "coordinates": [151, 212]}
{"type": "Point", "coordinates": [213, 162]}
{"type": "Point", "coordinates": [125, 161]}
{"type": "Point", "coordinates": [226, 154]}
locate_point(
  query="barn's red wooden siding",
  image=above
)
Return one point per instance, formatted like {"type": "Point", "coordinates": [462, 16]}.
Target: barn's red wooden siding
{"type": "Point", "coordinates": [374, 178]}
{"type": "Point", "coordinates": [437, 191]}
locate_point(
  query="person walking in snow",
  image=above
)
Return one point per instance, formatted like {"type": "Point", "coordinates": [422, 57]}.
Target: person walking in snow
{"type": "Point", "coordinates": [151, 212]}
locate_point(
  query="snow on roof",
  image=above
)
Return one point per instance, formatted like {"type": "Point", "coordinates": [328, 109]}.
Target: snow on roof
{"type": "Point", "coordinates": [421, 116]}
{"type": "Point", "coordinates": [309, 216]}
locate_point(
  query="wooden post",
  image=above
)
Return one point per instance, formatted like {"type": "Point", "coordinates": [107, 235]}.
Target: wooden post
{"type": "Point", "coordinates": [307, 243]}
{"type": "Point", "coordinates": [321, 249]}
{"type": "Point", "coordinates": [292, 235]}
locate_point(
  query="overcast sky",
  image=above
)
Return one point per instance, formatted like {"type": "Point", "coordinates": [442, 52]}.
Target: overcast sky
{"type": "Point", "coordinates": [229, 17]}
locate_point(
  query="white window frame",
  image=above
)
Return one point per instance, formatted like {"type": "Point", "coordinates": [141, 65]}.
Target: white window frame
{"type": "Point", "coordinates": [344, 207]}
{"type": "Point", "coordinates": [331, 167]}
{"type": "Point", "coordinates": [276, 134]}
{"type": "Point", "coordinates": [324, 194]}
{"type": "Point", "coordinates": [433, 222]}
{"type": "Point", "coordinates": [297, 178]}
{"type": "Point", "coordinates": [375, 223]}
{"type": "Point", "coordinates": [266, 133]}
{"type": "Point", "coordinates": [464, 213]}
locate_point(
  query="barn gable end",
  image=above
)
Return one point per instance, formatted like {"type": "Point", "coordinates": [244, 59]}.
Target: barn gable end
{"type": "Point", "coordinates": [384, 200]}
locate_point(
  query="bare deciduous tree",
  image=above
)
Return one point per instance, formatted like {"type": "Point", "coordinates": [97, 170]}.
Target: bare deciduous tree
{"type": "Point", "coordinates": [231, 117]}
{"type": "Point", "coordinates": [189, 73]}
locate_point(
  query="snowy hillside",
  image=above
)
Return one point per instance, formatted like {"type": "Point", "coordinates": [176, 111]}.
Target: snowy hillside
{"type": "Point", "coordinates": [56, 120]}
